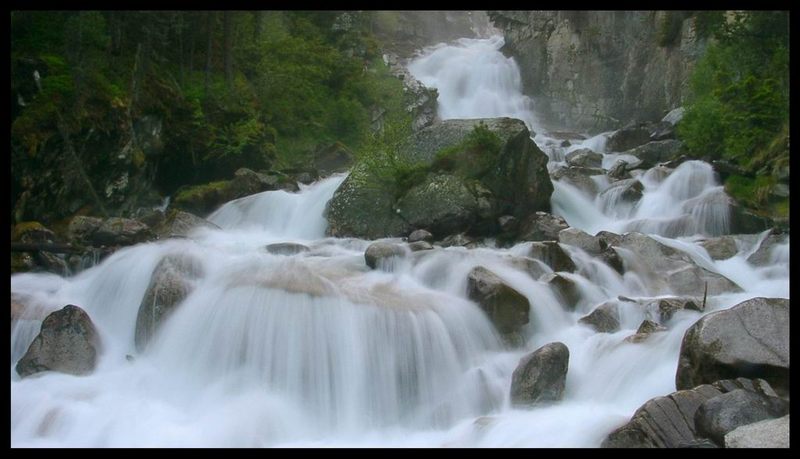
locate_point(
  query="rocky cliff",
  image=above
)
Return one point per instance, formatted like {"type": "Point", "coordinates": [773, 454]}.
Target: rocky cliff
{"type": "Point", "coordinates": [601, 70]}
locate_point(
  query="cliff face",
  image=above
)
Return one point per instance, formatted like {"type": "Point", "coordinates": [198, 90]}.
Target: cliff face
{"type": "Point", "coordinates": [405, 32]}
{"type": "Point", "coordinates": [600, 70]}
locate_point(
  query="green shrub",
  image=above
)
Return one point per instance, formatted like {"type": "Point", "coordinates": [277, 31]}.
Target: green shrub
{"type": "Point", "coordinates": [474, 156]}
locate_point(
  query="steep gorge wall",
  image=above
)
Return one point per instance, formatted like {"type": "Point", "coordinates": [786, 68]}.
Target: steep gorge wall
{"type": "Point", "coordinates": [600, 70]}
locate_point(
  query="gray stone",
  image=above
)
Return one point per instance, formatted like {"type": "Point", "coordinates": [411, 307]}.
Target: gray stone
{"type": "Point", "coordinates": [761, 256]}
{"type": "Point", "coordinates": [619, 170]}
{"type": "Point", "coordinates": [541, 226]}
{"type": "Point", "coordinates": [540, 376]}
{"type": "Point", "coordinates": [121, 231]}
{"type": "Point", "coordinates": [769, 433]}
{"type": "Point", "coordinates": [564, 288]}
{"type": "Point", "coordinates": [442, 203]}
{"type": "Point", "coordinates": [507, 308]}
{"type": "Point", "coordinates": [420, 235]}
{"type": "Point", "coordinates": [584, 157]}
{"type": "Point", "coordinates": [666, 307]}
{"type": "Point", "coordinates": [170, 283]}
{"type": "Point", "coordinates": [82, 228]}
{"type": "Point", "coordinates": [653, 153]}
{"type": "Point", "coordinates": [458, 240]}
{"type": "Point", "coordinates": [749, 340]}
{"type": "Point", "coordinates": [67, 343]}
{"type": "Point", "coordinates": [646, 328]}
{"type": "Point", "coordinates": [178, 223]}
{"type": "Point", "coordinates": [724, 413]}
{"type": "Point", "coordinates": [720, 248]}
{"type": "Point", "coordinates": [379, 253]}
{"type": "Point", "coordinates": [623, 191]}
{"type": "Point", "coordinates": [662, 131]}
{"type": "Point", "coordinates": [551, 254]}
{"type": "Point", "coordinates": [533, 267]}
{"type": "Point", "coordinates": [674, 116]}
{"type": "Point", "coordinates": [579, 177]}
{"type": "Point", "coordinates": [671, 271]}
{"type": "Point", "coordinates": [420, 245]}
{"type": "Point", "coordinates": [604, 318]}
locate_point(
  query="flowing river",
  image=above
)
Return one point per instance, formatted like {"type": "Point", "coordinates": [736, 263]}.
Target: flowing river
{"type": "Point", "coordinates": [314, 349]}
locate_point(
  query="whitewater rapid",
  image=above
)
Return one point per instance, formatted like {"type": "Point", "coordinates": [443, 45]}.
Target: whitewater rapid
{"type": "Point", "coordinates": [317, 350]}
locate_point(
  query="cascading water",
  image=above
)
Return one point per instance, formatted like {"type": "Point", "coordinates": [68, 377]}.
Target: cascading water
{"type": "Point", "coordinates": [316, 349]}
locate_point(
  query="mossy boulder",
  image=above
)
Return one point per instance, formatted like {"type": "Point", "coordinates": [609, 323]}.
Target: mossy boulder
{"type": "Point", "coordinates": [485, 168]}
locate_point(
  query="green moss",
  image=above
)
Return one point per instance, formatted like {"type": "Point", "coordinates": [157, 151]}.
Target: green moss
{"type": "Point", "coordinates": [473, 157]}
{"type": "Point", "coordinates": [22, 228]}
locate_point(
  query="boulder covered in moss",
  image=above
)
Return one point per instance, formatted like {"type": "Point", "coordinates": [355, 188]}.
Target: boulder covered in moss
{"type": "Point", "coordinates": [456, 175]}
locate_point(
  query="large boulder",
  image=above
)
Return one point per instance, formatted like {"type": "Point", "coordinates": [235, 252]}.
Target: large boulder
{"type": "Point", "coordinates": [170, 284]}
{"type": "Point", "coordinates": [652, 153]}
{"type": "Point", "coordinates": [67, 343]}
{"type": "Point", "coordinates": [514, 181]}
{"type": "Point", "coordinates": [671, 271]}
{"type": "Point", "coordinates": [770, 433]}
{"type": "Point", "coordinates": [750, 340]}
{"type": "Point", "coordinates": [720, 248]}
{"type": "Point", "coordinates": [579, 177]}
{"type": "Point", "coordinates": [178, 223]}
{"type": "Point", "coordinates": [442, 203]}
{"type": "Point", "coordinates": [507, 308]}
{"type": "Point", "coordinates": [669, 421]}
{"type": "Point", "coordinates": [566, 289]}
{"type": "Point", "coordinates": [722, 414]}
{"type": "Point", "coordinates": [540, 376]}
{"type": "Point", "coordinates": [82, 228]}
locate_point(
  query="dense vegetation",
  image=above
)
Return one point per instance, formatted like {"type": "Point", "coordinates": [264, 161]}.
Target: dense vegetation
{"type": "Point", "coordinates": [226, 89]}
{"type": "Point", "coordinates": [739, 110]}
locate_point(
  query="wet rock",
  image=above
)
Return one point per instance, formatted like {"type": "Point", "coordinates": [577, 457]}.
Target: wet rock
{"type": "Point", "coordinates": [745, 221]}
{"type": "Point", "coordinates": [653, 153]}
{"type": "Point", "coordinates": [67, 343]}
{"type": "Point", "coordinates": [666, 307]}
{"type": "Point", "coordinates": [540, 376]}
{"type": "Point", "coordinates": [551, 254]}
{"type": "Point", "coordinates": [564, 288]}
{"type": "Point", "coordinates": [662, 422]}
{"type": "Point", "coordinates": [579, 177]}
{"type": "Point", "coordinates": [582, 240]}
{"type": "Point", "coordinates": [31, 232]}
{"type": "Point", "coordinates": [121, 231]}
{"type": "Point", "coordinates": [619, 170]}
{"type": "Point", "coordinates": [442, 203]}
{"type": "Point", "coordinates": [669, 422]}
{"type": "Point", "coordinates": [627, 138]}
{"type": "Point", "coordinates": [178, 223]}
{"type": "Point", "coordinates": [726, 168]}
{"type": "Point", "coordinates": [420, 235]}
{"type": "Point", "coordinates": [459, 240]}
{"type": "Point", "coordinates": [515, 182]}
{"type": "Point", "coordinates": [750, 340]}
{"type": "Point", "coordinates": [762, 255]}
{"type": "Point", "coordinates": [82, 229]}
{"type": "Point", "coordinates": [662, 131]}
{"type": "Point", "coordinates": [507, 308]}
{"type": "Point", "coordinates": [531, 266]}
{"type": "Point", "coordinates": [170, 283]}
{"type": "Point", "coordinates": [623, 191]}
{"type": "Point", "coordinates": [380, 252]}
{"type": "Point", "coordinates": [604, 318]}
{"type": "Point", "coordinates": [419, 246]}
{"type": "Point", "coordinates": [584, 157]}
{"type": "Point", "coordinates": [724, 413]}
{"type": "Point", "coordinates": [541, 226]}
{"type": "Point", "coordinates": [286, 248]}
{"type": "Point", "coordinates": [668, 270]}
{"type": "Point", "coordinates": [646, 328]}
{"type": "Point", "coordinates": [674, 116]}
{"type": "Point", "coordinates": [720, 248]}
{"type": "Point", "coordinates": [769, 433]}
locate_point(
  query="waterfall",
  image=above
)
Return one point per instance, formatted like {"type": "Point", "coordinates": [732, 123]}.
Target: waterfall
{"type": "Point", "coordinates": [315, 349]}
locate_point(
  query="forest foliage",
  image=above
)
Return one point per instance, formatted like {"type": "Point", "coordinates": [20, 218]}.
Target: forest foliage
{"type": "Point", "coordinates": [233, 88]}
